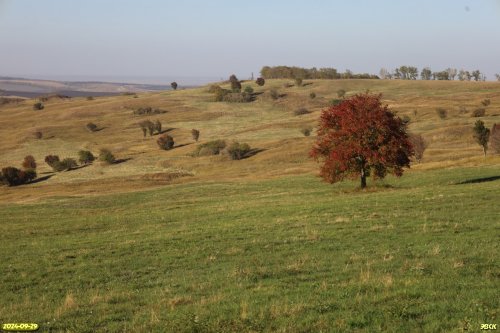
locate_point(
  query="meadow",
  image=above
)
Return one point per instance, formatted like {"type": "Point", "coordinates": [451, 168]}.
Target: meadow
{"type": "Point", "coordinates": [256, 245]}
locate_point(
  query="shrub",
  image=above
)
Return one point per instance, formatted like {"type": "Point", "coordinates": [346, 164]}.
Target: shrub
{"type": "Point", "coordinates": [85, 157]}
{"type": "Point", "coordinates": [306, 131]}
{"type": "Point", "coordinates": [298, 82]}
{"type": "Point", "coordinates": [148, 111]}
{"type": "Point", "coordinates": [67, 164]}
{"type": "Point", "coordinates": [274, 94]}
{"type": "Point", "coordinates": [210, 148]}
{"type": "Point", "coordinates": [406, 119]}
{"type": "Point", "coordinates": [248, 90]}
{"type": "Point", "coordinates": [195, 134]}
{"type": "Point", "coordinates": [442, 113]}
{"type": "Point", "coordinates": [157, 126]}
{"type": "Point", "coordinates": [90, 98]}
{"type": "Point", "coordinates": [486, 102]}
{"type": "Point", "coordinates": [238, 98]}
{"type": "Point", "coordinates": [341, 93]}
{"type": "Point", "coordinates": [213, 88]}
{"type": "Point", "coordinates": [13, 176]}
{"type": "Point", "coordinates": [220, 93]}
{"type": "Point", "coordinates": [300, 111]}
{"type": "Point", "coordinates": [166, 142]}
{"type": "Point", "coordinates": [106, 156]}
{"type": "Point", "coordinates": [260, 81]}
{"type": "Point", "coordinates": [479, 112]}
{"type": "Point", "coordinates": [91, 127]}
{"type": "Point", "coordinates": [174, 85]}
{"type": "Point", "coordinates": [29, 162]}
{"type": "Point", "coordinates": [482, 135]}
{"type": "Point", "coordinates": [312, 95]}
{"type": "Point", "coordinates": [38, 106]}
{"type": "Point", "coordinates": [237, 151]}
{"type": "Point", "coordinates": [38, 135]}
{"type": "Point", "coordinates": [52, 160]}
{"type": "Point", "coordinates": [419, 146]}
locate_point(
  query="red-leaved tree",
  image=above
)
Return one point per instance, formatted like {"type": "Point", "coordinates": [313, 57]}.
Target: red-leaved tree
{"type": "Point", "coordinates": [359, 137]}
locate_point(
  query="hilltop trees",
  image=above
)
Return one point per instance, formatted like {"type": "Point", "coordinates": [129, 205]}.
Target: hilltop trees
{"type": "Point", "coordinates": [260, 81]}
{"type": "Point", "coordinates": [174, 85]}
{"type": "Point", "coordinates": [426, 74]}
{"type": "Point", "coordinates": [482, 135]}
{"type": "Point", "coordinates": [235, 83]}
{"type": "Point", "coordinates": [360, 136]}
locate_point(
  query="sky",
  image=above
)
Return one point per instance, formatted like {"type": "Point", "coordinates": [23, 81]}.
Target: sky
{"type": "Point", "coordinates": [151, 40]}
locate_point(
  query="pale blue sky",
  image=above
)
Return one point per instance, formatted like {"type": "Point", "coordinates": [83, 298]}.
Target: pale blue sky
{"type": "Point", "coordinates": [97, 38]}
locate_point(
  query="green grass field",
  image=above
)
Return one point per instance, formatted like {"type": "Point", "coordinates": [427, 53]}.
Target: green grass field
{"type": "Point", "coordinates": [291, 254]}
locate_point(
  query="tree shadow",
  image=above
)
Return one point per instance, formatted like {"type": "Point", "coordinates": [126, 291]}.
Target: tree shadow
{"type": "Point", "coordinates": [100, 129]}
{"type": "Point", "coordinates": [167, 130]}
{"type": "Point", "coordinates": [252, 152]}
{"type": "Point", "coordinates": [179, 146]}
{"type": "Point", "coordinates": [479, 180]}
{"type": "Point", "coordinates": [306, 84]}
{"type": "Point", "coordinates": [41, 179]}
{"type": "Point", "coordinates": [282, 95]}
{"type": "Point", "coordinates": [122, 160]}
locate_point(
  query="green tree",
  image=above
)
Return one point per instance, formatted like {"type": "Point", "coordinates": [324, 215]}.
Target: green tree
{"type": "Point", "coordinates": [426, 73]}
{"type": "Point", "coordinates": [482, 135]}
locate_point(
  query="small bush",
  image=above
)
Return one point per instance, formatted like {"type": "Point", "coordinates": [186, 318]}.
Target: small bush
{"type": "Point", "coordinates": [91, 127]}
{"type": "Point", "coordinates": [148, 111]}
{"type": "Point", "coordinates": [334, 102]}
{"type": "Point", "coordinates": [298, 82]}
{"type": "Point", "coordinates": [220, 93]}
{"type": "Point", "coordinates": [106, 156]}
{"type": "Point", "coordinates": [260, 81]}
{"type": "Point", "coordinates": [306, 131]}
{"type": "Point", "coordinates": [37, 135]}
{"type": "Point", "coordinates": [248, 90]}
{"type": "Point", "coordinates": [486, 102]}
{"type": "Point", "coordinates": [38, 106]}
{"type": "Point", "coordinates": [301, 111]}
{"type": "Point", "coordinates": [90, 98]}
{"type": "Point", "coordinates": [479, 112]}
{"type": "Point", "coordinates": [51, 160]}
{"type": "Point", "coordinates": [68, 164]}
{"type": "Point", "coordinates": [166, 142]}
{"type": "Point", "coordinates": [174, 85]}
{"type": "Point", "coordinates": [195, 134]}
{"type": "Point", "coordinates": [419, 146]}
{"type": "Point", "coordinates": [85, 157]}
{"type": "Point", "coordinates": [29, 162]}
{"type": "Point", "coordinates": [341, 93]}
{"type": "Point", "coordinates": [237, 151]}
{"type": "Point", "coordinates": [442, 113]}
{"type": "Point", "coordinates": [12, 176]}
{"type": "Point", "coordinates": [274, 94]}
{"type": "Point", "coordinates": [210, 148]}
{"type": "Point", "coordinates": [312, 95]}
{"type": "Point", "coordinates": [238, 98]}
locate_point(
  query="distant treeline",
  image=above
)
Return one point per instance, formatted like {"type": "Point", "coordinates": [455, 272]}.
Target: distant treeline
{"type": "Point", "coordinates": [286, 72]}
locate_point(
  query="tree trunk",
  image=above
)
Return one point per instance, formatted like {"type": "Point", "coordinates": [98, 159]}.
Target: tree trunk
{"type": "Point", "coordinates": [484, 151]}
{"type": "Point", "coordinates": [363, 178]}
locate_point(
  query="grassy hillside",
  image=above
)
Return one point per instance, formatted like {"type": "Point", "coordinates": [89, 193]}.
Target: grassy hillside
{"type": "Point", "coordinates": [265, 124]}
{"type": "Point", "coordinates": [255, 245]}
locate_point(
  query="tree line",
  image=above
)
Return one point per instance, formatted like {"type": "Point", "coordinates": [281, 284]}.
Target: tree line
{"type": "Point", "coordinates": [449, 74]}
{"type": "Point", "coordinates": [293, 72]}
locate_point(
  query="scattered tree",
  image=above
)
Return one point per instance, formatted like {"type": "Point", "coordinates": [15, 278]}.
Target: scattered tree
{"type": "Point", "coordinates": [166, 142]}
{"type": "Point", "coordinates": [29, 162]}
{"type": "Point", "coordinates": [306, 131]}
{"type": "Point", "coordinates": [195, 134]}
{"type": "Point", "coordinates": [210, 148]}
{"type": "Point", "coordinates": [38, 106]}
{"type": "Point", "coordinates": [482, 135]}
{"type": "Point", "coordinates": [312, 95]}
{"type": "Point", "coordinates": [426, 74]}
{"type": "Point", "coordinates": [260, 81]}
{"type": "Point", "coordinates": [52, 160]}
{"type": "Point", "coordinates": [359, 136]}
{"type": "Point", "coordinates": [85, 157]}
{"type": "Point", "coordinates": [476, 75]}
{"type": "Point", "coordinates": [419, 146]}
{"type": "Point", "coordinates": [174, 85]}
{"type": "Point", "coordinates": [67, 164]}
{"type": "Point", "coordinates": [106, 156]}
{"type": "Point", "coordinates": [235, 83]}
{"type": "Point", "coordinates": [157, 126]}
{"type": "Point", "coordinates": [147, 125]}
{"type": "Point", "coordinates": [384, 74]}
{"type": "Point", "coordinates": [13, 176]}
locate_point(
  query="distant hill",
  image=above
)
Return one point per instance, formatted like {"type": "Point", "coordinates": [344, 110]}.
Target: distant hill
{"type": "Point", "coordinates": [30, 88]}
